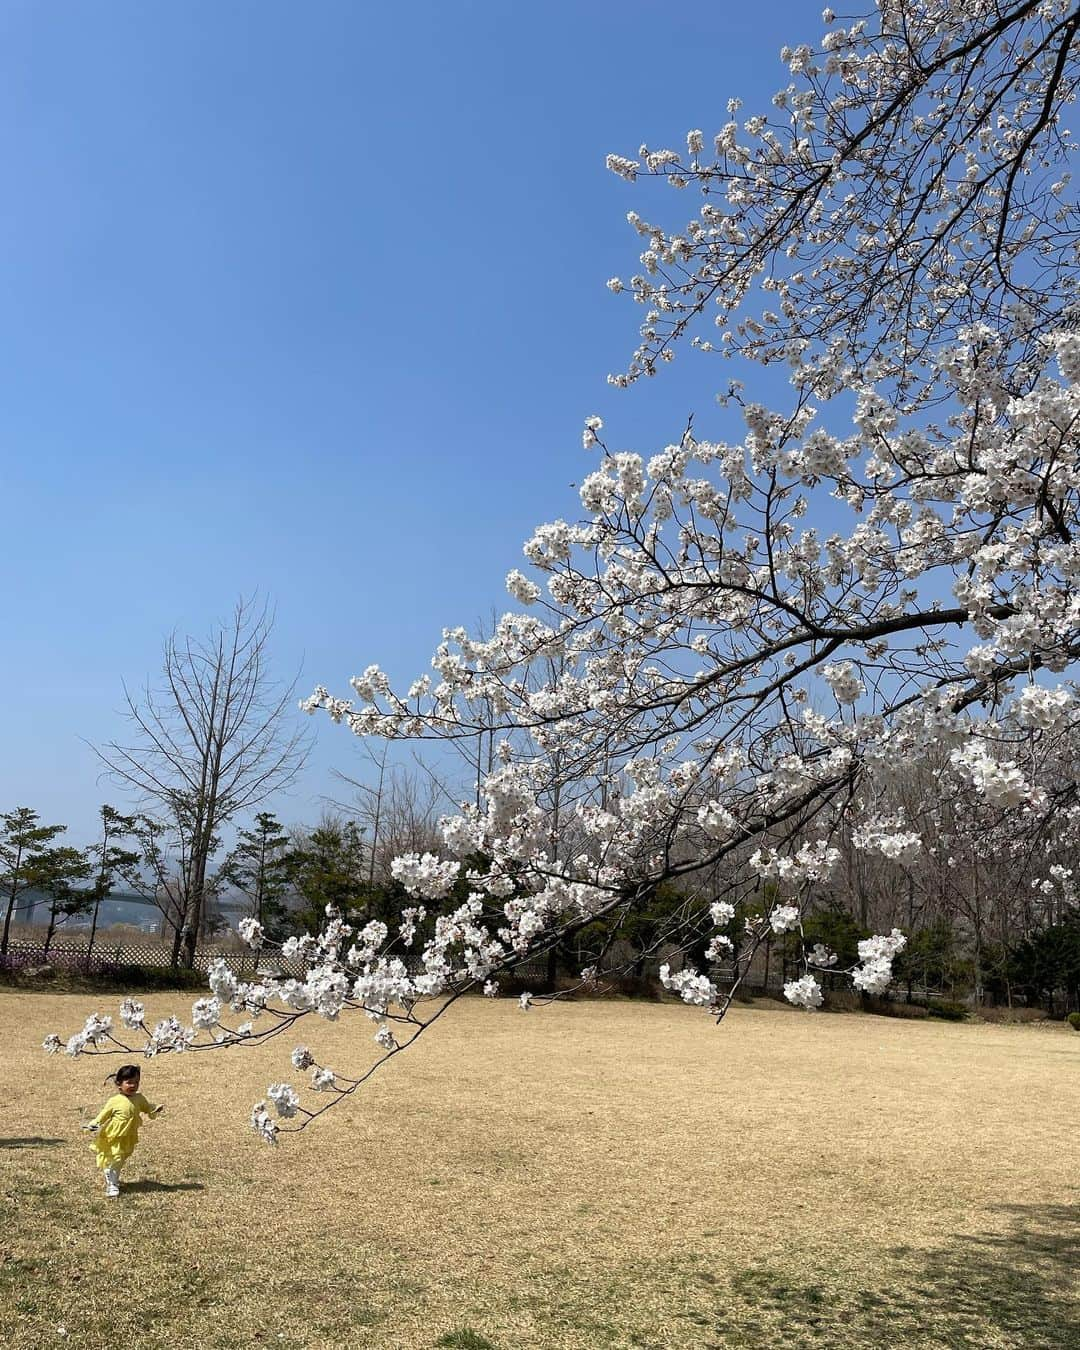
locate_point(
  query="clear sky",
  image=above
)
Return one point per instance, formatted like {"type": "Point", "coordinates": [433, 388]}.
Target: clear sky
{"type": "Point", "coordinates": [309, 300]}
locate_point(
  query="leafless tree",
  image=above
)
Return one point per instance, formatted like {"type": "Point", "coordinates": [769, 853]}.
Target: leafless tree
{"type": "Point", "coordinates": [211, 740]}
{"type": "Point", "coordinates": [397, 812]}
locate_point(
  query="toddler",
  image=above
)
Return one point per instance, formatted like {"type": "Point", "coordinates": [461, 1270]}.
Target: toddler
{"type": "Point", "coordinates": [116, 1126]}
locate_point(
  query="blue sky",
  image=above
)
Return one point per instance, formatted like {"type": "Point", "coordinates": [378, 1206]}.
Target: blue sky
{"type": "Point", "coordinates": [310, 300]}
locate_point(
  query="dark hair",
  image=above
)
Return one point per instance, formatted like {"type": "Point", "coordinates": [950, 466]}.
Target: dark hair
{"type": "Point", "coordinates": [126, 1073]}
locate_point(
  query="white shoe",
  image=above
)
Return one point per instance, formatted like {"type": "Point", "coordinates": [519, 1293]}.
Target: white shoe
{"type": "Point", "coordinates": [112, 1192]}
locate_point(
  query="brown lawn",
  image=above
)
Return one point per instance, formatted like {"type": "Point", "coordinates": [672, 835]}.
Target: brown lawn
{"type": "Point", "coordinates": [584, 1175]}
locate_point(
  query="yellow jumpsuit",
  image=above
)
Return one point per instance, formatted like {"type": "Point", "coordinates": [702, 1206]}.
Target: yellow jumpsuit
{"type": "Point", "coordinates": [118, 1132]}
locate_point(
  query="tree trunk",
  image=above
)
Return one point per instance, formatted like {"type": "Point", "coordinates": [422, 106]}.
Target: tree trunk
{"type": "Point", "coordinates": [12, 894]}
{"type": "Point", "coordinates": [93, 931]}
{"type": "Point", "coordinates": [911, 925]}
{"type": "Point", "coordinates": [260, 882]}
{"type": "Point", "coordinates": [49, 932]}
{"type": "Point", "coordinates": [190, 945]}
{"type": "Point", "coordinates": [977, 966]}
{"type": "Point", "coordinates": [7, 921]}
{"type": "Point", "coordinates": [193, 907]}
{"type": "Point", "coordinates": [178, 933]}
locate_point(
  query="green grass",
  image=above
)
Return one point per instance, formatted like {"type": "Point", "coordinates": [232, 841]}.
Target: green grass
{"type": "Point", "coordinates": [465, 1339]}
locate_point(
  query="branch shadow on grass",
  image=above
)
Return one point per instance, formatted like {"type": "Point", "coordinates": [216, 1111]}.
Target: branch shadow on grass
{"type": "Point", "coordinates": [154, 1187]}
{"type": "Point", "coordinates": [31, 1141]}
{"type": "Point", "coordinates": [1013, 1288]}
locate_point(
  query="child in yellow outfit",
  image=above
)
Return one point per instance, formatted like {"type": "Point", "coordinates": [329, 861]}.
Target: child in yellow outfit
{"type": "Point", "coordinates": [117, 1125]}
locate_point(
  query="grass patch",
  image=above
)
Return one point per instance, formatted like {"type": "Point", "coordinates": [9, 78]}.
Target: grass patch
{"type": "Point", "coordinates": [1013, 1289]}
{"type": "Point", "coordinates": [465, 1339]}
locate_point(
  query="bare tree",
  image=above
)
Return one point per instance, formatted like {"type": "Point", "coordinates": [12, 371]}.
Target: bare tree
{"type": "Point", "coordinates": [397, 813]}
{"type": "Point", "coordinates": [210, 741]}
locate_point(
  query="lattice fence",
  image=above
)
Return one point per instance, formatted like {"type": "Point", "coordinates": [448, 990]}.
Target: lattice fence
{"type": "Point", "coordinates": [109, 957]}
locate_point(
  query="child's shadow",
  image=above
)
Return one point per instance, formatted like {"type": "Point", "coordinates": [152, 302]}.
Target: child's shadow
{"type": "Point", "coordinates": [143, 1187]}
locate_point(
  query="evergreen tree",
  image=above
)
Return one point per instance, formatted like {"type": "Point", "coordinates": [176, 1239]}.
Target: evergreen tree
{"type": "Point", "coordinates": [22, 842]}
{"type": "Point", "coordinates": [109, 861]}
{"type": "Point", "coordinates": [261, 867]}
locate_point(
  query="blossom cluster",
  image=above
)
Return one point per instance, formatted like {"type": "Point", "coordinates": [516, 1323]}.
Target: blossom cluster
{"type": "Point", "coordinates": [689, 985]}
{"type": "Point", "coordinates": [888, 839]}
{"type": "Point", "coordinates": [876, 954]}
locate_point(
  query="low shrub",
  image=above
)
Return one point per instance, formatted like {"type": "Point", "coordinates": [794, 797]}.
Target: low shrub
{"type": "Point", "coordinates": [909, 1011]}
{"type": "Point", "coordinates": [631, 986]}
{"type": "Point", "coordinates": [947, 1011]}
{"type": "Point", "coordinates": [646, 987]}
{"type": "Point", "coordinates": [70, 974]}
{"type": "Point", "coordinates": [1018, 1015]}
{"type": "Point", "coordinates": [1073, 1020]}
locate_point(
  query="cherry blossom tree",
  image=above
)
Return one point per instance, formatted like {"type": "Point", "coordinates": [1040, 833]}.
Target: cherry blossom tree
{"type": "Point", "coordinates": [955, 871]}
{"type": "Point", "coordinates": [747, 636]}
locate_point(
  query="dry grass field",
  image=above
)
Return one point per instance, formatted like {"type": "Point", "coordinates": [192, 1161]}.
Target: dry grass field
{"type": "Point", "coordinates": [586, 1175]}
